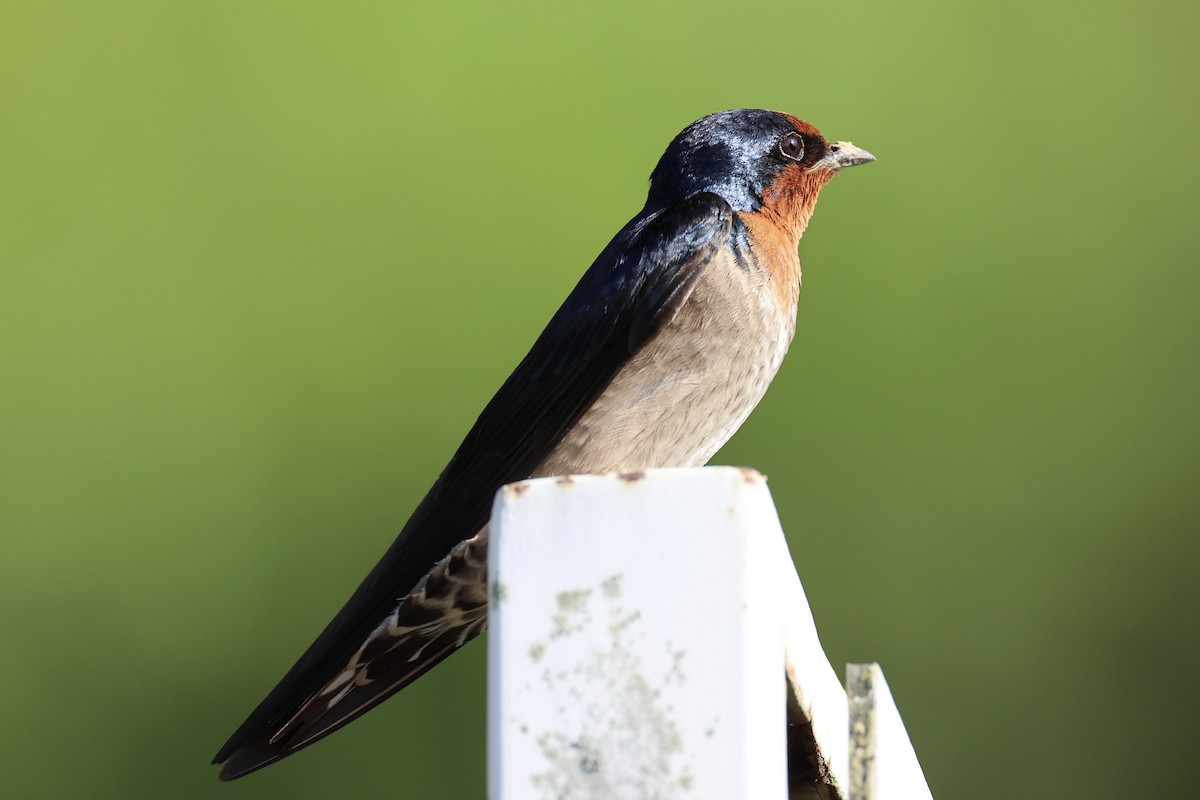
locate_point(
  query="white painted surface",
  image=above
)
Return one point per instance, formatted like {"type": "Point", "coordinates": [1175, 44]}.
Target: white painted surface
{"type": "Point", "coordinates": [637, 627]}
{"type": "Point", "coordinates": [810, 676]}
{"type": "Point", "coordinates": [884, 765]}
{"type": "Point", "coordinates": [635, 643]}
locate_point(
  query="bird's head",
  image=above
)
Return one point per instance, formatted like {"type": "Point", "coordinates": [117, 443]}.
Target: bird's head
{"type": "Point", "coordinates": [757, 160]}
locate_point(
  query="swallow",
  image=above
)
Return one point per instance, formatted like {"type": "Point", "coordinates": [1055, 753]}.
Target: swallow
{"type": "Point", "coordinates": [656, 357]}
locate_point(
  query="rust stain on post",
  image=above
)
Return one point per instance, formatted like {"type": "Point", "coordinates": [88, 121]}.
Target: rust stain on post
{"type": "Point", "coordinates": [750, 475]}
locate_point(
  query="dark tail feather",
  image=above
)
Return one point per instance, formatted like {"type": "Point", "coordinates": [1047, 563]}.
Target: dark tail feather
{"type": "Point", "coordinates": [315, 721]}
{"type": "Point", "coordinates": [447, 608]}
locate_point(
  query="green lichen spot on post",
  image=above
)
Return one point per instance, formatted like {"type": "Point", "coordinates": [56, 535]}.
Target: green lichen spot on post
{"type": "Point", "coordinates": [574, 600]}
{"type": "Point", "coordinates": [629, 745]}
{"type": "Point", "coordinates": [572, 612]}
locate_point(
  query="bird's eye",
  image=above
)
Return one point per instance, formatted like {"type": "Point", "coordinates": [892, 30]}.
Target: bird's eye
{"type": "Point", "coordinates": [792, 146]}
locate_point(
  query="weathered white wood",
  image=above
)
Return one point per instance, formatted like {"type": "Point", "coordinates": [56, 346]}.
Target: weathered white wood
{"type": "Point", "coordinates": [636, 638]}
{"type": "Point", "coordinates": [638, 623]}
{"type": "Point", "coordinates": [883, 763]}
{"type": "Point", "coordinates": [811, 678]}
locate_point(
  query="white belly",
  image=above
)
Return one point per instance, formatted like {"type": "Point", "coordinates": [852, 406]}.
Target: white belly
{"type": "Point", "coordinates": [682, 396]}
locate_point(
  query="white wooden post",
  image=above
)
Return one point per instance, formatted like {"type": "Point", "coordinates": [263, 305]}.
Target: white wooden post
{"type": "Point", "coordinates": [883, 764]}
{"type": "Point", "coordinates": [638, 626]}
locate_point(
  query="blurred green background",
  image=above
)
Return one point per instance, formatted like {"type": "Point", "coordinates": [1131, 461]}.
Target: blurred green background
{"type": "Point", "coordinates": [262, 263]}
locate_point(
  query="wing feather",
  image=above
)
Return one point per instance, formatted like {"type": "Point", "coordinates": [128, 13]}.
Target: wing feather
{"type": "Point", "coordinates": [635, 286]}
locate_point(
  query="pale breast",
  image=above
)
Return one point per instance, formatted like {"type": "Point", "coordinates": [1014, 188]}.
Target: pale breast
{"type": "Point", "coordinates": [686, 391]}
{"type": "Point", "coordinates": [673, 405]}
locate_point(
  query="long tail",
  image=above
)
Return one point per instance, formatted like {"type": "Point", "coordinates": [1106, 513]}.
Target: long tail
{"type": "Point", "coordinates": [447, 608]}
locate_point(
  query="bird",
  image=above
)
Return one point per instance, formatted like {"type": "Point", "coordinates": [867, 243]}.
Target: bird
{"type": "Point", "coordinates": [656, 357]}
